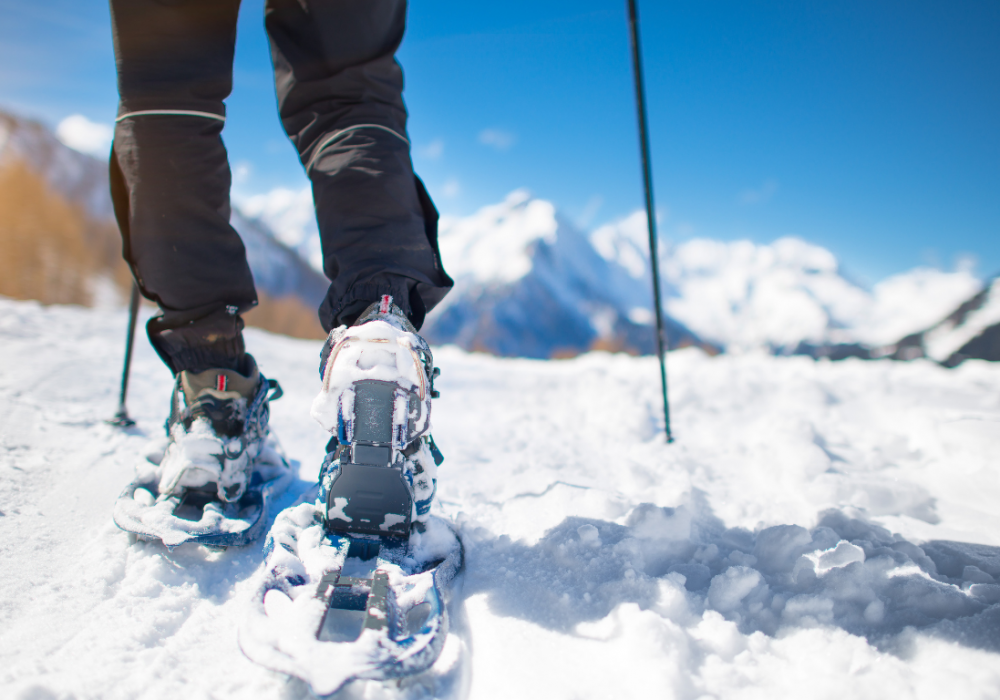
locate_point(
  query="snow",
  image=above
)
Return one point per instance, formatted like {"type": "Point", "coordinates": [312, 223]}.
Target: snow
{"type": "Point", "coordinates": [948, 338]}
{"type": "Point", "coordinates": [143, 513]}
{"type": "Point", "coordinates": [281, 625]}
{"type": "Point", "coordinates": [913, 301]}
{"type": "Point", "coordinates": [818, 529]}
{"type": "Point", "coordinates": [379, 351]}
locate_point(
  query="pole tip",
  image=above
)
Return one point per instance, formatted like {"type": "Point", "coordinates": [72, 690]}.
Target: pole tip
{"type": "Point", "coordinates": [121, 420]}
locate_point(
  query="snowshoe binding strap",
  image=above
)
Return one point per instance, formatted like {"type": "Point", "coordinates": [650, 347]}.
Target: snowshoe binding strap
{"type": "Point", "coordinates": [369, 494]}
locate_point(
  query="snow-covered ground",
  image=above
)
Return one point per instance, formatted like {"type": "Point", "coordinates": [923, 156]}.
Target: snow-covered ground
{"type": "Point", "coordinates": [818, 530]}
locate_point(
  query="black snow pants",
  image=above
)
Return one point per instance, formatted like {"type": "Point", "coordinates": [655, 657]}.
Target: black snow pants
{"type": "Point", "coordinates": [340, 100]}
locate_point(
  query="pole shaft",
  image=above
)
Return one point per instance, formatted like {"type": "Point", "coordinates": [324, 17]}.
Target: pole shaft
{"type": "Point", "coordinates": [647, 181]}
{"type": "Point", "coordinates": [121, 418]}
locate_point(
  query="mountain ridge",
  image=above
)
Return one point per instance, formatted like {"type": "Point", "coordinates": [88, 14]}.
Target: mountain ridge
{"type": "Point", "coordinates": [529, 283]}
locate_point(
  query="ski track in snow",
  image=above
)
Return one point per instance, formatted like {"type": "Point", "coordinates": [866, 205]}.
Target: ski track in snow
{"type": "Point", "coordinates": [821, 530]}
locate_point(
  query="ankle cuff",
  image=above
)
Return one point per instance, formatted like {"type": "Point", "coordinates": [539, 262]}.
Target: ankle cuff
{"type": "Point", "coordinates": [211, 342]}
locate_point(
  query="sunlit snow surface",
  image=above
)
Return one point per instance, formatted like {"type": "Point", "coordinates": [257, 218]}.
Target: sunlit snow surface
{"type": "Point", "coordinates": [822, 530]}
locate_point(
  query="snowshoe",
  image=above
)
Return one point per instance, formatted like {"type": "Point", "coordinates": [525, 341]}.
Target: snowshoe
{"type": "Point", "coordinates": [337, 607]}
{"type": "Point", "coordinates": [355, 579]}
{"type": "Point", "coordinates": [213, 477]}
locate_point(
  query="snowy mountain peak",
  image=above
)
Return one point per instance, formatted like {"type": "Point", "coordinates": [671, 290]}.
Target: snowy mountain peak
{"type": "Point", "coordinates": [625, 242]}
{"type": "Point", "coordinates": [785, 296]}
{"type": "Point", "coordinates": [745, 295]}
{"type": "Point", "coordinates": [527, 282]}
{"type": "Point", "coordinates": [291, 215]}
{"type": "Point", "coordinates": [781, 295]}
{"type": "Point", "coordinates": [971, 330]}
{"type": "Point", "coordinates": [495, 245]}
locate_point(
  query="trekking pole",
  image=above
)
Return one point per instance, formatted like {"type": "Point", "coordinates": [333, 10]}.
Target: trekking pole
{"type": "Point", "coordinates": [121, 418]}
{"type": "Point", "coordinates": [647, 180]}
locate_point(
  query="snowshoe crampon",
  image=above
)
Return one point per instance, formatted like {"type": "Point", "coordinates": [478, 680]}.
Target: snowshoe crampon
{"type": "Point", "coordinates": [337, 607]}
{"type": "Point", "coordinates": [197, 515]}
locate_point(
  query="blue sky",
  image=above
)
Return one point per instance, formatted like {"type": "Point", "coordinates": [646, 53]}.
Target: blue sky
{"type": "Point", "coordinates": [872, 128]}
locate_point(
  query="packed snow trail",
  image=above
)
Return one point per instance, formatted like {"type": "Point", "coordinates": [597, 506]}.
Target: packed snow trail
{"type": "Point", "coordinates": [819, 529]}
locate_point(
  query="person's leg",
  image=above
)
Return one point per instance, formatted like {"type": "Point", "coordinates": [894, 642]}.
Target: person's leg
{"type": "Point", "coordinates": [340, 99]}
{"type": "Point", "coordinates": [170, 186]}
{"type": "Point", "coordinates": [170, 176]}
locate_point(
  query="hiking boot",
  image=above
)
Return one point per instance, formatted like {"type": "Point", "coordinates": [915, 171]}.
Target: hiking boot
{"type": "Point", "coordinates": [380, 473]}
{"type": "Point", "coordinates": [216, 430]}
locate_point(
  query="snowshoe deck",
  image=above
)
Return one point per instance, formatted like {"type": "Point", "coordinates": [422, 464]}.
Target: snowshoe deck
{"type": "Point", "coordinates": [198, 516]}
{"type": "Point", "coordinates": [333, 608]}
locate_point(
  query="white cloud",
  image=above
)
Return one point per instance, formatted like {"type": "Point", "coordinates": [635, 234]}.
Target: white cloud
{"type": "Point", "coordinates": [434, 150]}
{"type": "Point", "coordinates": [590, 210]}
{"type": "Point", "coordinates": [242, 172]}
{"type": "Point", "coordinates": [497, 138]}
{"type": "Point", "coordinates": [759, 195]}
{"type": "Point", "coordinates": [81, 134]}
{"type": "Point", "coordinates": [451, 188]}
{"type": "Point", "coordinates": [966, 262]}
